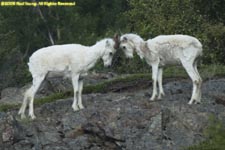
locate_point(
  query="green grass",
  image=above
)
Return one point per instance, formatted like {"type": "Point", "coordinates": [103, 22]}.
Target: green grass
{"type": "Point", "coordinates": [206, 72]}
{"type": "Point", "coordinates": [215, 136]}
{"type": "Point", "coordinates": [47, 99]}
{"type": "Point", "coordinates": [52, 98]}
{"type": "Point", "coordinates": [210, 71]}
{"type": "Point", "coordinates": [6, 107]}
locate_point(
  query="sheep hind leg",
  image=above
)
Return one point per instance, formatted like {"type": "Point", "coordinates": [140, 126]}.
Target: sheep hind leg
{"type": "Point", "coordinates": [36, 84]}
{"type": "Point", "coordinates": [199, 92]}
{"type": "Point", "coordinates": [161, 91]}
{"type": "Point", "coordinates": [192, 74]}
{"type": "Point", "coordinates": [24, 104]}
{"type": "Point", "coordinates": [80, 88]}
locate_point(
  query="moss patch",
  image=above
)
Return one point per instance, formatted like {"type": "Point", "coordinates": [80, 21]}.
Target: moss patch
{"type": "Point", "coordinates": [215, 136]}
{"type": "Point", "coordinates": [206, 72]}
{"type": "Point", "coordinates": [6, 107]}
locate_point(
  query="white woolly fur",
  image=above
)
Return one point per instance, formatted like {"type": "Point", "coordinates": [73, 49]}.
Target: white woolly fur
{"type": "Point", "coordinates": [72, 60]}
{"type": "Point", "coordinates": [167, 50]}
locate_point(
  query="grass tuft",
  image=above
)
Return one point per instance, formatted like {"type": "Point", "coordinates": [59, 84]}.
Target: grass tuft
{"type": "Point", "coordinates": [215, 136]}
{"type": "Point", "coordinates": [6, 107]}
{"type": "Point", "coordinates": [207, 72]}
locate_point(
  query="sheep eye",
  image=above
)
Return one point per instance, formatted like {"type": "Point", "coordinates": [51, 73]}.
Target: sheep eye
{"type": "Point", "coordinates": [124, 47]}
{"type": "Point", "coordinates": [110, 53]}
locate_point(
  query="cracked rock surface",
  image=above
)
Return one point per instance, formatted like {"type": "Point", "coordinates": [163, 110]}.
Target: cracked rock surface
{"type": "Point", "coordinates": [124, 120]}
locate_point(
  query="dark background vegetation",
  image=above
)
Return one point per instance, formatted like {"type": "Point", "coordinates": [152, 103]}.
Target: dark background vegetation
{"type": "Point", "coordinates": [23, 30]}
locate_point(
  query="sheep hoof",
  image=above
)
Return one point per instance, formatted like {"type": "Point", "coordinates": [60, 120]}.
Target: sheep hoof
{"type": "Point", "coordinates": [160, 96]}
{"type": "Point", "coordinates": [152, 99]}
{"type": "Point", "coordinates": [23, 116]}
{"type": "Point", "coordinates": [81, 106]}
{"type": "Point", "coordinates": [20, 112]}
{"type": "Point", "coordinates": [197, 102]}
{"type": "Point", "coordinates": [194, 101]}
{"type": "Point", "coordinates": [75, 108]}
{"type": "Point", "coordinates": [32, 116]}
{"type": "Point", "coordinates": [190, 102]}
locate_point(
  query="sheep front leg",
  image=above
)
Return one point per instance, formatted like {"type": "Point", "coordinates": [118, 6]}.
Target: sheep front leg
{"type": "Point", "coordinates": [161, 92]}
{"type": "Point", "coordinates": [80, 94]}
{"type": "Point", "coordinates": [75, 79]}
{"type": "Point", "coordinates": [154, 81]}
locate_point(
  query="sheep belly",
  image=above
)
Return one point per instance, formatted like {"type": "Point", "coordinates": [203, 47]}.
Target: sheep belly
{"type": "Point", "coordinates": [169, 56]}
{"type": "Point", "coordinates": [66, 73]}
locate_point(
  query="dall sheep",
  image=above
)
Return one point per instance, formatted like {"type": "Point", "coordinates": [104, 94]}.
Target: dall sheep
{"type": "Point", "coordinates": [71, 59]}
{"type": "Point", "coordinates": [167, 50]}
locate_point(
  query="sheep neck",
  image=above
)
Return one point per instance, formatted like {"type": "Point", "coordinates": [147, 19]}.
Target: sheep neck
{"type": "Point", "coordinates": [138, 44]}
{"type": "Point", "coordinates": [94, 53]}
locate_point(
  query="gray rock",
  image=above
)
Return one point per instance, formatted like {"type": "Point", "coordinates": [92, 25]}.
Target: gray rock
{"type": "Point", "coordinates": [7, 134]}
{"type": "Point", "coordinates": [51, 85]}
{"type": "Point", "coordinates": [117, 121]}
{"type": "Point", "coordinates": [12, 95]}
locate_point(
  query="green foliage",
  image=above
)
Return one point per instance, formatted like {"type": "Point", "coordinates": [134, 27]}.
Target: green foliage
{"type": "Point", "coordinates": [23, 30]}
{"type": "Point", "coordinates": [206, 72]}
{"type": "Point", "coordinates": [155, 17]}
{"type": "Point", "coordinates": [214, 46]}
{"type": "Point", "coordinates": [211, 71]}
{"type": "Point", "coordinates": [101, 87]}
{"type": "Point", "coordinates": [7, 107]}
{"type": "Point", "coordinates": [212, 10]}
{"type": "Point", "coordinates": [199, 19]}
{"type": "Point", "coordinates": [135, 65]}
{"type": "Point", "coordinates": [215, 136]}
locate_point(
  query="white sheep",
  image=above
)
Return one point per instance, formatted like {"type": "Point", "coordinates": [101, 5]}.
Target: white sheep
{"type": "Point", "coordinates": [167, 50]}
{"type": "Point", "coordinates": [71, 59]}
